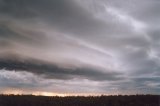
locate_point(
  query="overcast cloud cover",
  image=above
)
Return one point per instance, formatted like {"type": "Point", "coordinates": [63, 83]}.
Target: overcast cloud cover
{"type": "Point", "coordinates": [80, 46]}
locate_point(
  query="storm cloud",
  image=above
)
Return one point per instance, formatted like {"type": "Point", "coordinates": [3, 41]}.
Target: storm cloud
{"type": "Point", "coordinates": [80, 46]}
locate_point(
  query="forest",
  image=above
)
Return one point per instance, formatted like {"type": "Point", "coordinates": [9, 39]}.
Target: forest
{"type": "Point", "coordinates": [118, 100]}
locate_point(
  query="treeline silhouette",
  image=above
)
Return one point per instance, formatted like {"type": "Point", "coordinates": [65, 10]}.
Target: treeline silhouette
{"type": "Point", "coordinates": [30, 100]}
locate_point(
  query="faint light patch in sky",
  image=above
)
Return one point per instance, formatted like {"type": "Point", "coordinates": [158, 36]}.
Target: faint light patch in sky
{"type": "Point", "coordinates": [138, 26]}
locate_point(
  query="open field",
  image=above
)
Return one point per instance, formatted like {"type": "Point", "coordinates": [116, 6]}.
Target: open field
{"type": "Point", "coordinates": [30, 100]}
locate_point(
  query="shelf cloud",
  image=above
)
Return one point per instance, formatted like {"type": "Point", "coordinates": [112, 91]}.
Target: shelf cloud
{"type": "Point", "coordinates": [80, 46]}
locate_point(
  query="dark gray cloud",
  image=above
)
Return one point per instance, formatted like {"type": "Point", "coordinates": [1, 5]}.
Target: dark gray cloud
{"type": "Point", "coordinates": [63, 15]}
{"type": "Point", "coordinates": [94, 46]}
{"type": "Point", "coordinates": [52, 71]}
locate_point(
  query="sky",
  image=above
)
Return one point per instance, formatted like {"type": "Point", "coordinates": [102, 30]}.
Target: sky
{"type": "Point", "coordinates": [87, 47]}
